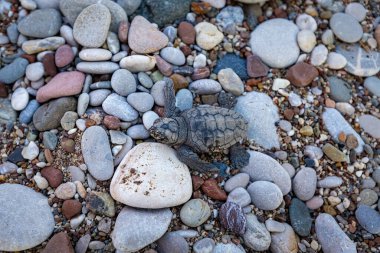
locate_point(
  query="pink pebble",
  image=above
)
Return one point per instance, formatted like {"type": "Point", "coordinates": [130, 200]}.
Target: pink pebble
{"type": "Point", "coordinates": [315, 202]}
{"type": "Point", "coordinates": [64, 56]}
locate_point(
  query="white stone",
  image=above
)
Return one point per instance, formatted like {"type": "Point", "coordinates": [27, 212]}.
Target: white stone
{"type": "Point", "coordinates": [200, 61]}
{"type": "Point", "coordinates": [164, 181]}
{"type": "Point", "coordinates": [306, 22]}
{"type": "Point", "coordinates": [207, 35]}
{"type": "Point", "coordinates": [336, 61]}
{"type": "Point", "coordinates": [280, 83]}
{"type": "Point", "coordinates": [319, 55]}
{"type": "Point", "coordinates": [306, 40]}
{"type": "Point", "coordinates": [345, 108]}
{"type": "Point", "coordinates": [66, 190]}
{"type": "Point", "coordinates": [34, 71]}
{"type": "Point", "coordinates": [216, 3]}
{"type": "Point", "coordinates": [31, 151]}
{"type": "Point", "coordinates": [328, 37]}
{"type": "Point", "coordinates": [20, 99]}
{"type": "Point", "coordinates": [41, 182]}
{"type": "Point", "coordinates": [149, 118]}
{"type": "Point", "coordinates": [95, 54]}
{"type": "Point", "coordinates": [230, 81]}
{"type": "Point", "coordinates": [138, 63]}
{"type": "Point", "coordinates": [356, 10]}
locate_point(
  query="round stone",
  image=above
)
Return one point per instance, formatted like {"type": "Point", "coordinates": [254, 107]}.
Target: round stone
{"type": "Point", "coordinates": [356, 10]}
{"type": "Point", "coordinates": [34, 71]}
{"type": "Point", "coordinates": [368, 218]}
{"type": "Point", "coordinates": [285, 241]}
{"type": "Point", "coordinates": [306, 22]}
{"type": "Point", "coordinates": [239, 196]}
{"type": "Point", "coordinates": [372, 83]}
{"type": "Point", "coordinates": [195, 212]}
{"type": "Point", "coordinates": [230, 81]}
{"type": "Point", "coordinates": [300, 217]}
{"type": "Point", "coordinates": [123, 82]}
{"type": "Point", "coordinates": [172, 242]}
{"type": "Point", "coordinates": [163, 181]}
{"type": "Point", "coordinates": [173, 55]}
{"type": "Point", "coordinates": [305, 183]}
{"type": "Point", "coordinates": [184, 99]}
{"type": "Point", "coordinates": [275, 42]}
{"type": "Point", "coordinates": [205, 87]}
{"type": "Point", "coordinates": [20, 99]}
{"type": "Point", "coordinates": [346, 27]}
{"type": "Point", "coordinates": [239, 180]}
{"type": "Point", "coordinates": [306, 40]}
{"type": "Point", "coordinates": [207, 35]}
{"type": "Point", "coordinates": [265, 195]}
{"type": "Point", "coordinates": [368, 197]}
{"type": "Point", "coordinates": [138, 132]}
{"type": "Point", "coordinates": [91, 26]}
{"type": "Point", "coordinates": [145, 80]}
{"type": "Point", "coordinates": [336, 61]}
{"type": "Point", "coordinates": [204, 245]}
{"type": "Point", "coordinates": [30, 151]}
{"type": "Point", "coordinates": [66, 190]}
{"type": "Point", "coordinates": [22, 205]}
{"type": "Point", "coordinates": [68, 120]}
{"type": "Point", "coordinates": [319, 55]}
{"type": "Point", "coordinates": [141, 101]}
{"type": "Point", "coordinates": [96, 152]}
{"type": "Point", "coordinates": [370, 125]}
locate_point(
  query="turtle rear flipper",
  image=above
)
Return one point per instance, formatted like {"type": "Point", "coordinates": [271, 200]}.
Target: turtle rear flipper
{"type": "Point", "coordinates": [170, 109]}
{"type": "Point", "coordinates": [239, 156]}
{"type": "Point", "coordinates": [191, 159]}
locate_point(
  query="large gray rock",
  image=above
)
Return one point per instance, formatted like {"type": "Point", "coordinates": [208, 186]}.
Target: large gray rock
{"type": "Point", "coordinates": [335, 124]}
{"type": "Point", "coordinates": [331, 236]}
{"type": "Point", "coordinates": [96, 152]}
{"type": "Point", "coordinates": [368, 218]}
{"type": "Point", "coordinates": [11, 72]}
{"type": "Point", "coordinates": [275, 42]}
{"type": "Point", "coordinates": [261, 113]}
{"type": "Point", "coordinates": [262, 167]}
{"type": "Point", "coordinates": [72, 8]}
{"type": "Point", "coordinates": [359, 61]}
{"type": "Point", "coordinates": [48, 116]}
{"type": "Point", "coordinates": [137, 228]}
{"type": "Point", "coordinates": [41, 23]}
{"type": "Point", "coordinates": [25, 218]}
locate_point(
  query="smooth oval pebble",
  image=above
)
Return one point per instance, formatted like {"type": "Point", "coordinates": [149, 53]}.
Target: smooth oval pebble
{"type": "Point", "coordinates": [21, 205]}
{"type": "Point", "coordinates": [239, 196]}
{"type": "Point", "coordinates": [65, 191]}
{"type": "Point", "coordinates": [141, 101]}
{"type": "Point", "coordinates": [34, 71]}
{"type": "Point", "coordinates": [265, 195]}
{"type": "Point", "coordinates": [368, 218]}
{"type": "Point", "coordinates": [173, 55]}
{"type": "Point", "coordinates": [20, 99]}
{"type": "Point", "coordinates": [95, 54]}
{"type": "Point", "coordinates": [256, 236]}
{"type": "Point", "coordinates": [91, 26]}
{"type": "Point", "coordinates": [123, 82]}
{"type": "Point", "coordinates": [118, 106]}
{"type": "Point", "coordinates": [138, 63]}
{"type": "Point", "coordinates": [239, 180]}
{"type": "Point", "coordinates": [184, 99]}
{"type": "Point", "coordinates": [205, 245]}
{"type": "Point", "coordinates": [319, 55]}
{"type": "Point", "coordinates": [330, 182]}
{"type": "Point", "coordinates": [97, 97]}
{"type": "Point", "coordinates": [306, 40]}
{"type": "Point", "coordinates": [145, 80]}
{"type": "Point", "coordinates": [97, 153]}
{"type": "Point", "coordinates": [305, 183]}
{"type": "Point", "coordinates": [138, 132]}
{"type": "Point", "coordinates": [346, 27]}
{"type": "Point", "coordinates": [205, 87]}
{"type": "Point", "coordinates": [195, 212]}
{"type": "Point", "coordinates": [98, 68]}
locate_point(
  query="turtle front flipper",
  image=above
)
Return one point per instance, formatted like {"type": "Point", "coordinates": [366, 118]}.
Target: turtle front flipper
{"type": "Point", "coordinates": [191, 159]}
{"type": "Point", "coordinates": [170, 109]}
{"type": "Point", "coordinates": [239, 156]}
{"type": "Point", "coordinates": [226, 100]}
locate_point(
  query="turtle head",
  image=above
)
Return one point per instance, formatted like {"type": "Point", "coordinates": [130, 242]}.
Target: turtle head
{"type": "Point", "coordinates": [165, 130]}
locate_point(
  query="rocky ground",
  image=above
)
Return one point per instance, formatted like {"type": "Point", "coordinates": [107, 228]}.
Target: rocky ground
{"type": "Point", "coordinates": [81, 83]}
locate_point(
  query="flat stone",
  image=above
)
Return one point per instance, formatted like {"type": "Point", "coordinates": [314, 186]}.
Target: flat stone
{"type": "Point", "coordinates": [275, 42]}
{"type": "Point", "coordinates": [265, 195]}
{"type": "Point", "coordinates": [41, 23]}
{"type": "Point", "coordinates": [331, 236]}
{"type": "Point", "coordinates": [8, 167]}
{"type": "Point", "coordinates": [333, 153]}
{"type": "Point", "coordinates": [145, 80]}
{"type": "Point", "coordinates": [359, 61]}
{"type": "Point", "coordinates": [184, 99]}
{"type": "Point", "coordinates": [118, 106]}
{"type": "Point", "coordinates": [205, 86]}
{"type": "Point", "coordinates": [131, 223]}
{"type": "Point", "coordinates": [305, 183]}
{"type": "Point", "coordinates": [207, 35]}
{"type": "Point", "coordinates": [148, 119]}
{"type": "Point", "coordinates": [330, 182]}
{"type": "Point", "coordinates": [306, 40]}
{"type": "Point", "coordinates": [286, 241]}
{"type": "Point", "coordinates": [372, 83]}
{"type": "Point", "coordinates": [336, 124]}
{"type": "Point", "coordinates": [319, 55]}
{"type": "Point", "coordinates": [138, 63]}
{"type": "Point", "coordinates": [11, 72]}
{"type": "Point", "coordinates": [340, 91]}
{"type": "Point", "coordinates": [368, 218]}
{"type": "Point", "coordinates": [97, 153]}
{"type": "Point", "coordinates": [368, 197]}
{"type": "Point", "coordinates": [300, 217]}
{"type": "Point", "coordinates": [48, 116]}
{"type": "Point", "coordinates": [301, 74]}
{"type": "Point", "coordinates": [255, 67]}
{"type": "Point", "coordinates": [306, 22]}
{"type": "Point", "coordinates": [97, 97]}
{"type": "Point", "coordinates": [62, 85]}
{"type": "Point", "coordinates": [315, 202]}
{"type": "Point", "coordinates": [72, 8]}
{"type": "Point", "coordinates": [274, 226]}
{"type": "Point", "coordinates": [65, 191]}
{"type": "Point", "coordinates": [230, 17]}
{"type": "Point", "coordinates": [172, 242]}
{"type": "Point", "coordinates": [123, 82]}
{"type": "Point", "coordinates": [346, 27]}
{"type": "Point", "coordinates": [173, 55]}
{"type": "Point", "coordinates": [22, 205]}
{"type": "Point", "coordinates": [59, 243]}
{"type": "Point", "coordinates": [98, 68]}
{"type": "Point", "coordinates": [261, 113]}
{"type": "Point", "coordinates": [64, 56]}
{"type": "Point", "coordinates": [239, 180]}
{"type": "Point", "coordinates": [336, 61]}
{"type": "Point", "coordinates": [195, 212]}
{"type": "Point", "coordinates": [82, 244]}
{"type": "Point", "coordinates": [145, 38]}
{"type": "Point", "coordinates": [91, 26]}
{"type": "Point", "coordinates": [138, 132]}
{"type": "Point", "coordinates": [356, 10]}
{"type": "Point", "coordinates": [76, 174]}
{"type": "Point", "coordinates": [34, 71]}
{"type": "Point", "coordinates": [47, 44]}
{"type": "Point", "coordinates": [256, 236]}
{"type": "Point", "coordinates": [142, 178]}
{"type": "Point", "coordinates": [262, 167]}
{"type": "Point", "coordinates": [141, 101]}
{"type": "Point", "coordinates": [370, 125]}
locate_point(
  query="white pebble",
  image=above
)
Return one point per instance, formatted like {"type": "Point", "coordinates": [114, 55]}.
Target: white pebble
{"type": "Point", "coordinates": [41, 182]}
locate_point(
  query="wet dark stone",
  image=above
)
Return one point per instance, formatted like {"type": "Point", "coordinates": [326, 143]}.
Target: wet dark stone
{"type": "Point", "coordinates": [15, 156]}
{"type": "Point", "coordinates": [300, 218]}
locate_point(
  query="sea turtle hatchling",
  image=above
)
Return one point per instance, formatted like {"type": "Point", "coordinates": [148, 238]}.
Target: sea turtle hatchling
{"type": "Point", "coordinates": [202, 129]}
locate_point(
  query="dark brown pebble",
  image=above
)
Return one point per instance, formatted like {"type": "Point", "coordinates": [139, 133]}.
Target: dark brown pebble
{"type": "Point", "coordinates": [71, 207]}
{"type": "Point", "coordinates": [59, 243]}
{"type": "Point", "coordinates": [53, 176]}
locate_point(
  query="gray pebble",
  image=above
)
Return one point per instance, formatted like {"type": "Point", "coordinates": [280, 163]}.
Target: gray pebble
{"type": "Point", "coordinates": [41, 23]}
{"type": "Point", "coordinates": [138, 132]}
{"type": "Point", "coordinates": [145, 80]}
{"type": "Point", "coordinates": [123, 82]}
{"type": "Point", "coordinates": [141, 101]}
{"type": "Point", "coordinates": [330, 182]}
{"type": "Point", "coordinates": [172, 243]}
{"type": "Point", "coordinates": [118, 137]}
{"type": "Point", "coordinates": [173, 55]}
{"type": "Point", "coordinates": [97, 97]}
{"type": "Point", "coordinates": [265, 195]}
{"type": "Point", "coordinates": [256, 236]}
{"type": "Point", "coordinates": [101, 85]}
{"type": "Point", "coordinates": [118, 106]}
{"type": "Point", "coordinates": [205, 87]}
{"type": "Point", "coordinates": [11, 72]}
{"type": "Point", "coordinates": [368, 218]}
{"type": "Point", "coordinates": [305, 183]}
{"type": "Point", "coordinates": [76, 174]}
{"type": "Point", "coordinates": [97, 67]}
{"type": "Point", "coordinates": [205, 245]}
{"type": "Point", "coordinates": [148, 119]}
{"type": "Point", "coordinates": [239, 180]}
{"type": "Point", "coordinates": [239, 196]}
{"type": "Point", "coordinates": [12, 32]}
{"type": "Point", "coordinates": [50, 140]}
{"type": "Point", "coordinates": [184, 99]}
{"type": "Point", "coordinates": [368, 197]}
{"type": "Point", "coordinates": [83, 102]}
{"type": "Point", "coordinates": [171, 32]}
{"type": "Point", "coordinates": [157, 93]}
{"type": "Point", "coordinates": [113, 42]}
{"type": "Point", "coordinates": [372, 83]}
{"type": "Point", "coordinates": [195, 212]}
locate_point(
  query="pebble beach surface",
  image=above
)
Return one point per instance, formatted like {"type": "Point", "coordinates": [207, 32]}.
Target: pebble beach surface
{"type": "Point", "coordinates": [81, 83]}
